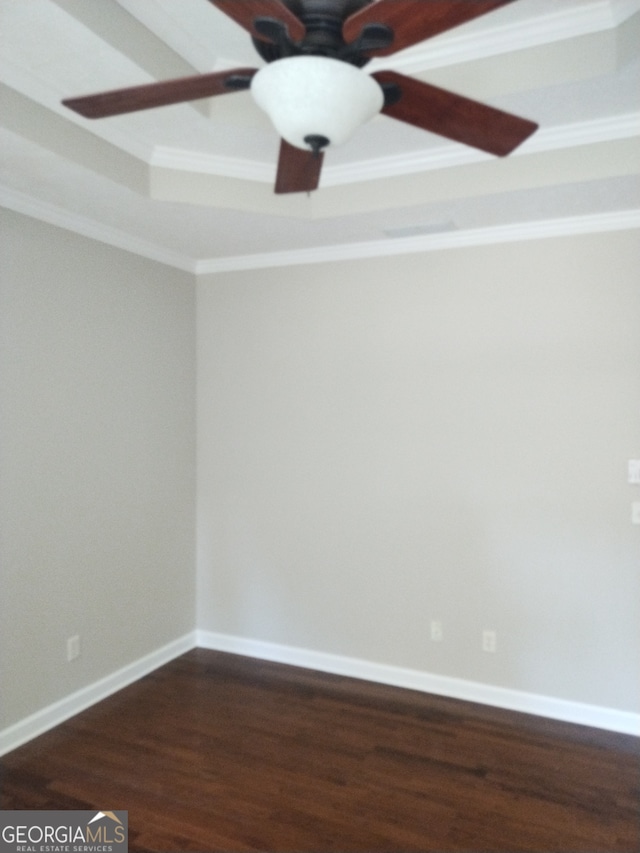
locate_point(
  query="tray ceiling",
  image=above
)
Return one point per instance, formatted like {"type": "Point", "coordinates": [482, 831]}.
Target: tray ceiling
{"type": "Point", "coordinates": [191, 185]}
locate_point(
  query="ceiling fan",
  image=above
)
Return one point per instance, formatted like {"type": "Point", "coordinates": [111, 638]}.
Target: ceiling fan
{"type": "Point", "coordinates": [313, 88]}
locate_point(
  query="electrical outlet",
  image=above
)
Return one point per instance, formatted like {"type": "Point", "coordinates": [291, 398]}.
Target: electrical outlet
{"type": "Point", "coordinates": [73, 647]}
{"type": "Point", "coordinates": [436, 631]}
{"type": "Point", "coordinates": [635, 512]}
{"type": "Point", "coordinates": [489, 641]}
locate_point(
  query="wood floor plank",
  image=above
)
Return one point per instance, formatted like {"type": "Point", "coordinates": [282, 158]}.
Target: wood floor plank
{"type": "Point", "coordinates": [216, 752]}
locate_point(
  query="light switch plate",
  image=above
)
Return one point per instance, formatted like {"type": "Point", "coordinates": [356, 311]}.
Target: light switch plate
{"type": "Point", "coordinates": [633, 475]}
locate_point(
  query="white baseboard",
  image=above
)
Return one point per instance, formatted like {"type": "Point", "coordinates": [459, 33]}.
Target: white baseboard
{"type": "Point", "coordinates": [40, 722]}
{"type": "Point", "coordinates": [611, 719]}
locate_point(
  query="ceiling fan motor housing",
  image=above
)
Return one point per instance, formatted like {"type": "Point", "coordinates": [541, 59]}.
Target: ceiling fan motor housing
{"type": "Point", "coordinates": [323, 20]}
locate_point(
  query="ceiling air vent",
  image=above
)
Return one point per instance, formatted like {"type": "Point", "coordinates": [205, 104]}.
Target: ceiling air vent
{"type": "Point", "coordinates": [420, 230]}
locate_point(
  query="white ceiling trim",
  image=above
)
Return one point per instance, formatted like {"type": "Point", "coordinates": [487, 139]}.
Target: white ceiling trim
{"type": "Point", "coordinates": [29, 206]}
{"type": "Point", "coordinates": [456, 48]}
{"type": "Point", "coordinates": [54, 215]}
{"type": "Point", "coordinates": [613, 221]}
{"type": "Point", "coordinates": [444, 156]}
{"type": "Point", "coordinates": [211, 164]}
{"type": "Point", "coordinates": [448, 156]}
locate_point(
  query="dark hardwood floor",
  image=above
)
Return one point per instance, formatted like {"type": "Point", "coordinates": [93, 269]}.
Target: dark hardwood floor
{"type": "Point", "coordinates": [217, 752]}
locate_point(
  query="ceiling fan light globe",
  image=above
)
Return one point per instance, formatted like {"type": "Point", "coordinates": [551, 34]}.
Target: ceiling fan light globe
{"type": "Point", "coordinates": [316, 96]}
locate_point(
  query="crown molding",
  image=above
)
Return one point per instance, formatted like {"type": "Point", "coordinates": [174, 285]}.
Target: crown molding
{"type": "Point", "coordinates": [593, 223]}
{"type": "Point", "coordinates": [29, 206]}
{"type": "Point", "coordinates": [442, 156]}
{"type": "Point", "coordinates": [211, 164]}
{"type": "Point", "coordinates": [449, 155]}
{"type": "Point", "coordinates": [465, 46]}
{"type": "Point", "coordinates": [613, 221]}
{"type": "Point", "coordinates": [590, 132]}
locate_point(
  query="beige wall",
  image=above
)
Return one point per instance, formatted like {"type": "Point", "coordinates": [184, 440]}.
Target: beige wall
{"type": "Point", "coordinates": [442, 436]}
{"type": "Point", "coordinates": [380, 443]}
{"type": "Point", "coordinates": [98, 460]}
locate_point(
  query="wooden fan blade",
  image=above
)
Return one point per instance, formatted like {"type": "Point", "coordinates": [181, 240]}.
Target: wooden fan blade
{"type": "Point", "coordinates": [160, 94]}
{"type": "Point", "coordinates": [298, 170]}
{"type": "Point", "coordinates": [244, 12]}
{"type": "Point", "coordinates": [413, 21]}
{"type": "Point", "coordinates": [455, 116]}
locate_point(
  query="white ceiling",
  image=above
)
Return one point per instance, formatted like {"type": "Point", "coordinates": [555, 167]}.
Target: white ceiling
{"type": "Point", "coordinates": [191, 185]}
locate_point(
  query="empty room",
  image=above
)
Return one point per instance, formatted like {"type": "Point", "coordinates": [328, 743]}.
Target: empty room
{"type": "Point", "coordinates": [320, 425]}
